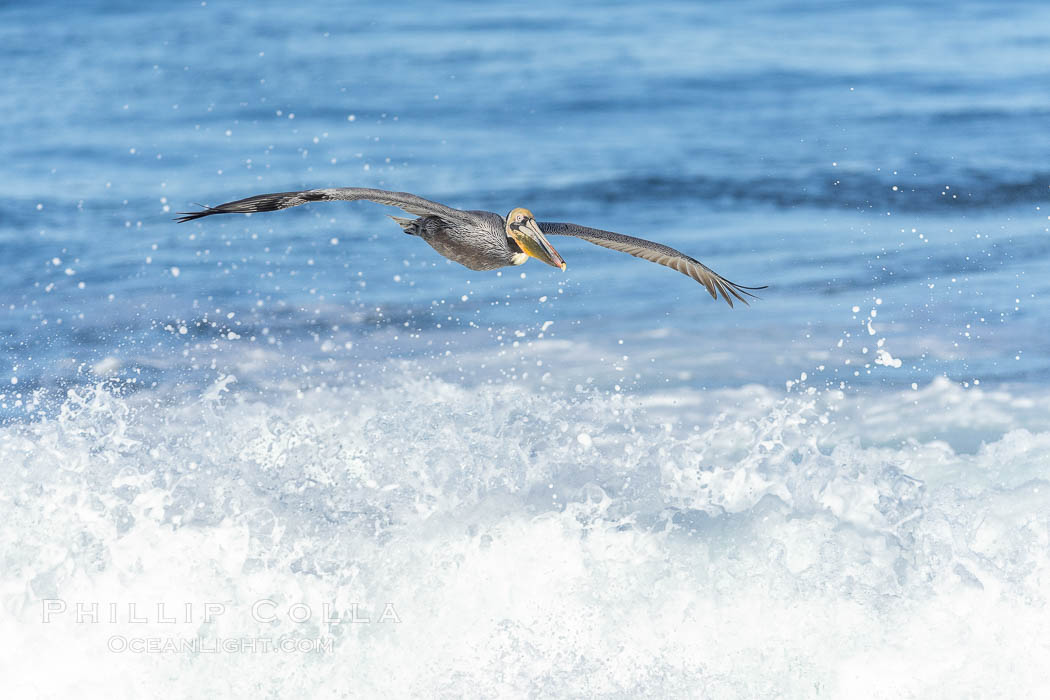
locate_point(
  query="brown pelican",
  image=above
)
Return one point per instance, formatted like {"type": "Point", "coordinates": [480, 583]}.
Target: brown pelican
{"type": "Point", "coordinates": [482, 240]}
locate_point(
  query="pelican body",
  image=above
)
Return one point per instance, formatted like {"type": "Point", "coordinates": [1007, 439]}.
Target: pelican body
{"type": "Point", "coordinates": [483, 240]}
{"type": "Point", "coordinates": [488, 243]}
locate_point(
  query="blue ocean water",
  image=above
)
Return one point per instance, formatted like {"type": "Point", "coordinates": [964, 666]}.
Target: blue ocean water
{"type": "Point", "coordinates": [590, 482]}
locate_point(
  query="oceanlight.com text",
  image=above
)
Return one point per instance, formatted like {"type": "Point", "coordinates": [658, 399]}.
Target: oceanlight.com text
{"type": "Point", "coordinates": [121, 644]}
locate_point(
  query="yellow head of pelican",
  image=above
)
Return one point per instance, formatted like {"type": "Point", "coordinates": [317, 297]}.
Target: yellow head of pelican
{"type": "Point", "coordinates": [523, 230]}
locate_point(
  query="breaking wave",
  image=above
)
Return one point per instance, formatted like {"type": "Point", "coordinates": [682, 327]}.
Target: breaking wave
{"type": "Point", "coordinates": [737, 542]}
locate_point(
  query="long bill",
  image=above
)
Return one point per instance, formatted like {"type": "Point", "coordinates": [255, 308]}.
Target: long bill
{"type": "Point", "coordinates": [535, 244]}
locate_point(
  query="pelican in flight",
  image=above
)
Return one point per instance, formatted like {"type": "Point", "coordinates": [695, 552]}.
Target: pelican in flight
{"type": "Point", "coordinates": [482, 240]}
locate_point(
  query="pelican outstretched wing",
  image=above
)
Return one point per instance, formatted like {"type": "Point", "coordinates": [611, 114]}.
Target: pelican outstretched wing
{"type": "Point", "coordinates": [657, 253]}
{"type": "Point", "coordinates": [282, 200]}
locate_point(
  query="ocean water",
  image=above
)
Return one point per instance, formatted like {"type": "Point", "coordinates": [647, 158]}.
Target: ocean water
{"type": "Point", "coordinates": [301, 454]}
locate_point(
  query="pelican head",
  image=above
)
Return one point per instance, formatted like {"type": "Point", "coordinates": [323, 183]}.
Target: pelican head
{"type": "Point", "coordinates": [523, 229]}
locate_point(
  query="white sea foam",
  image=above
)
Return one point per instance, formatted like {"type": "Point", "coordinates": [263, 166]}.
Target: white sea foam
{"type": "Point", "coordinates": [728, 543]}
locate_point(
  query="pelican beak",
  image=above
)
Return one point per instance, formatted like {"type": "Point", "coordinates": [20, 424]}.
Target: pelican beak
{"type": "Point", "coordinates": [535, 244]}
